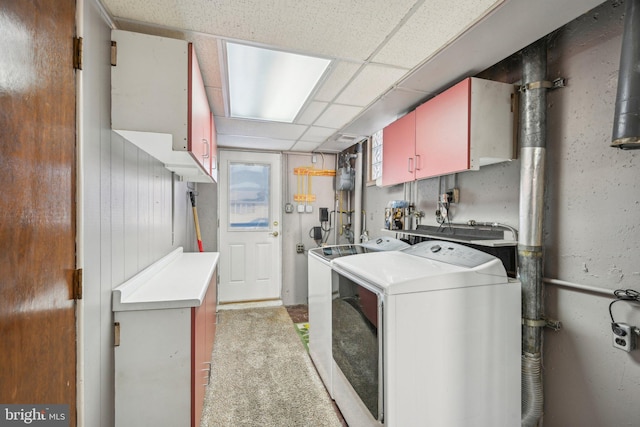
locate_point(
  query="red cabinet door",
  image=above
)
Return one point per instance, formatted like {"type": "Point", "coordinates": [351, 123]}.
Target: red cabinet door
{"type": "Point", "coordinates": [443, 132]}
{"type": "Point", "coordinates": [199, 116]}
{"type": "Point", "coordinates": [203, 324]}
{"type": "Point", "coordinates": [398, 150]}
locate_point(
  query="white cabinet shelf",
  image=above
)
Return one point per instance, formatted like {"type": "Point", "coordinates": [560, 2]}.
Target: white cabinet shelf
{"type": "Point", "coordinates": [159, 103]}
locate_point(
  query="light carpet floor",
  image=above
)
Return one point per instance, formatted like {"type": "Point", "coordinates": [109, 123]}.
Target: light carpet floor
{"type": "Point", "coordinates": [261, 374]}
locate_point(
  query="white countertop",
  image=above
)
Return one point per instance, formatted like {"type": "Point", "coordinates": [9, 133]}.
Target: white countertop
{"type": "Point", "coordinates": [178, 280]}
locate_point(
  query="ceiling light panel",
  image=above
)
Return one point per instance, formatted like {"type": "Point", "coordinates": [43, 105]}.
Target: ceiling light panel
{"type": "Point", "coordinates": [270, 85]}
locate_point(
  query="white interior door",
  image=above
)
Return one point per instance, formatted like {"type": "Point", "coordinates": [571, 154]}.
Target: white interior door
{"type": "Point", "coordinates": [249, 232]}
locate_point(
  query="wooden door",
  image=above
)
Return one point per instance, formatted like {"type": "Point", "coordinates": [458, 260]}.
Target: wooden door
{"type": "Point", "coordinates": [37, 208]}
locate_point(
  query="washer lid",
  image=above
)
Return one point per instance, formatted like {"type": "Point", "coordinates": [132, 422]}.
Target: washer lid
{"type": "Point", "coordinates": [398, 272]}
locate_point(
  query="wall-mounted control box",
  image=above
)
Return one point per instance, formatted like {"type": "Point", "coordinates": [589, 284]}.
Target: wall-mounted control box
{"type": "Point", "coordinates": [324, 214]}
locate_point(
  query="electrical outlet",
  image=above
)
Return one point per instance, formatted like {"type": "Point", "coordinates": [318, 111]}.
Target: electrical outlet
{"type": "Point", "coordinates": [300, 208]}
{"type": "Point", "coordinates": [309, 208]}
{"type": "Point", "coordinates": [624, 336]}
{"type": "Point", "coordinates": [288, 208]}
{"type": "Point", "coordinates": [454, 195]}
{"type": "Point", "coordinates": [300, 248]}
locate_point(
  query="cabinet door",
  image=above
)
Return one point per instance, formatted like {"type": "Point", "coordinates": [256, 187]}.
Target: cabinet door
{"type": "Point", "coordinates": [199, 368]}
{"type": "Point", "coordinates": [214, 150]}
{"type": "Point", "coordinates": [202, 336]}
{"type": "Point", "coordinates": [442, 132]}
{"type": "Point", "coordinates": [199, 139]}
{"type": "Point", "coordinates": [398, 150]}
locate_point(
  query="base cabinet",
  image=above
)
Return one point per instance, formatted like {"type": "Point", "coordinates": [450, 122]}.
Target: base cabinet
{"type": "Point", "coordinates": [162, 364]}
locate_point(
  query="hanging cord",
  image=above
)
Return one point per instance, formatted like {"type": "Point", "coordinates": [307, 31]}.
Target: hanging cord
{"type": "Point", "coordinates": [623, 295]}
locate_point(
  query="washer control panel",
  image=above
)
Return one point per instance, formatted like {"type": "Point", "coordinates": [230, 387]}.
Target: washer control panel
{"type": "Point", "coordinates": [450, 253]}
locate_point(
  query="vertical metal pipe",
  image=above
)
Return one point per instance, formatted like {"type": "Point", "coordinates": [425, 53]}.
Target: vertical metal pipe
{"type": "Point", "coordinates": [533, 152]}
{"type": "Point", "coordinates": [626, 121]}
{"type": "Point", "coordinates": [357, 196]}
{"type": "Point", "coordinates": [530, 257]}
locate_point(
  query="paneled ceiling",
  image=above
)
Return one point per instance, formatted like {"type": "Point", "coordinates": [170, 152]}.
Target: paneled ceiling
{"type": "Point", "coordinates": [388, 56]}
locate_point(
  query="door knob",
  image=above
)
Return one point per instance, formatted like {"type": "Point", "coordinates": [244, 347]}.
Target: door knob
{"type": "Point", "coordinates": [275, 234]}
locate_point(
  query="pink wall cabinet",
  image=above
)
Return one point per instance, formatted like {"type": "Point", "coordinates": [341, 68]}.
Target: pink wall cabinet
{"type": "Point", "coordinates": [465, 127]}
{"type": "Point", "coordinates": [159, 103]}
{"type": "Point", "coordinates": [398, 151]}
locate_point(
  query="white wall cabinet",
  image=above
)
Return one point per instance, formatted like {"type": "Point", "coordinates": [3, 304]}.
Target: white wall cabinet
{"type": "Point", "coordinates": [165, 328]}
{"type": "Point", "coordinates": [159, 103]}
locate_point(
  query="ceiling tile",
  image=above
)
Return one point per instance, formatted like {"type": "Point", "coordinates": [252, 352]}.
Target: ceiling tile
{"type": "Point", "coordinates": [317, 134]}
{"type": "Point", "coordinates": [370, 82]}
{"type": "Point", "coordinates": [392, 105]}
{"type": "Point", "coordinates": [228, 126]}
{"type": "Point", "coordinates": [305, 146]}
{"type": "Point", "coordinates": [232, 141]}
{"type": "Point", "coordinates": [337, 116]}
{"type": "Point", "coordinates": [207, 53]}
{"type": "Point", "coordinates": [340, 75]}
{"type": "Point", "coordinates": [151, 29]}
{"type": "Point", "coordinates": [334, 28]}
{"type": "Point", "coordinates": [431, 27]}
{"type": "Point", "coordinates": [311, 113]}
{"type": "Point", "coordinates": [216, 101]}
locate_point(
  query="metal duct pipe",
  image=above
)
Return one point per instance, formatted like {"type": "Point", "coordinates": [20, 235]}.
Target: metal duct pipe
{"type": "Point", "coordinates": [531, 390]}
{"type": "Point", "coordinates": [626, 121]}
{"type": "Point", "coordinates": [532, 154]}
{"type": "Point", "coordinates": [357, 196]}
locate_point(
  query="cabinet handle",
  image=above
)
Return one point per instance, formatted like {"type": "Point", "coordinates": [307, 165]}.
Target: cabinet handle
{"type": "Point", "coordinates": [409, 164]}
{"type": "Point", "coordinates": [208, 152]}
{"type": "Point", "coordinates": [418, 162]}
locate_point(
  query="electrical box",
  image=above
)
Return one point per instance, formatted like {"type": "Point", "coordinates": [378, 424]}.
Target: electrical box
{"type": "Point", "coordinates": [345, 179]}
{"type": "Point", "coordinates": [317, 233]}
{"type": "Point", "coordinates": [324, 214]}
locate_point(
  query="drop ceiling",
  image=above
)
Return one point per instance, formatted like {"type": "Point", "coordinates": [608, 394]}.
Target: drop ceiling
{"type": "Point", "coordinates": [386, 56]}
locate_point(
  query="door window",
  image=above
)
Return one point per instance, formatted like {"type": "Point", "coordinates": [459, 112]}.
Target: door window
{"type": "Point", "coordinates": [249, 199]}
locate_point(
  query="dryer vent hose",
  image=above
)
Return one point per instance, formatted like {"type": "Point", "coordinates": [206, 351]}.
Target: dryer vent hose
{"type": "Point", "coordinates": [532, 396]}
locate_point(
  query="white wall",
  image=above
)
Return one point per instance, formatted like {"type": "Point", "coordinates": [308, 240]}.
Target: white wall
{"type": "Point", "coordinates": [125, 221]}
{"type": "Point", "coordinates": [296, 226]}
{"type": "Point", "coordinates": [591, 229]}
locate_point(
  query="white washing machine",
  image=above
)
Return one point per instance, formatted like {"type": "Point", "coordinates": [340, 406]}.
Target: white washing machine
{"type": "Point", "coordinates": [442, 347]}
{"type": "Point", "coordinates": [320, 295]}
